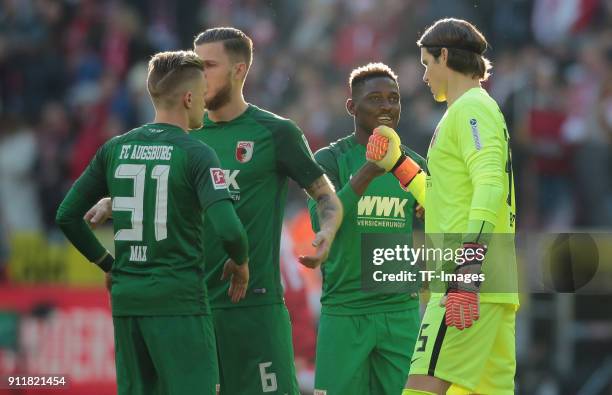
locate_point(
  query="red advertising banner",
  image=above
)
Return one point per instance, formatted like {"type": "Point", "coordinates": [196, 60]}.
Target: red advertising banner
{"type": "Point", "coordinates": [53, 330]}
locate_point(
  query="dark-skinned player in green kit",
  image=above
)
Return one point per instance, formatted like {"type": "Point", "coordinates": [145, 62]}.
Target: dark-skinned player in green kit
{"type": "Point", "coordinates": [365, 339]}
{"type": "Point", "coordinates": [259, 151]}
{"type": "Point", "coordinates": [161, 182]}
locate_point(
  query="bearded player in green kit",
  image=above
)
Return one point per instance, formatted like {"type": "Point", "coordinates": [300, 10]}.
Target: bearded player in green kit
{"type": "Point", "coordinates": [161, 182]}
{"type": "Point", "coordinates": [259, 151]}
{"type": "Point", "coordinates": [365, 339]}
{"type": "Point", "coordinates": [466, 340]}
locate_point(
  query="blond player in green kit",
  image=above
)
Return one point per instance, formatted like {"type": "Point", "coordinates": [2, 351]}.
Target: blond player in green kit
{"type": "Point", "coordinates": [466, 340]}
{"type": "Point", "coordinates": [162, 182]}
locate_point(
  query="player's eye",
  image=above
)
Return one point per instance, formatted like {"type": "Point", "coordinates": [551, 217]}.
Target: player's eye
{"type": "Point", "coordinates": [394, 99]}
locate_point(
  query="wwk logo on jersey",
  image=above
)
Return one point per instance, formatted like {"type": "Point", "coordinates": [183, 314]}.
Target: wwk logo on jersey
{"type": "Point", "coordinates": [381, 206]}
{"type": "Point", "coordinates": [218, 178]}
{"type": "Point", "coordinates": [244, 151]}
{"type": "Point", "coordinates": [381, 211]}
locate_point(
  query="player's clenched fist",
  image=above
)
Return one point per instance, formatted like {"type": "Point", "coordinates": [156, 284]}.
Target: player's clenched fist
{"type": "Point", "coordinates": [384, 150]}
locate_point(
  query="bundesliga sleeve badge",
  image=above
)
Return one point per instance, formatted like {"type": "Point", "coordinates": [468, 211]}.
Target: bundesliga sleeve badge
{"type": "Point", "coordinates": [244, 151]}
{"type": "Point", "coordinates": [218, 178]}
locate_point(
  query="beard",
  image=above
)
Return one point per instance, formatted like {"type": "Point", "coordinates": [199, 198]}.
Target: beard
{"type": "Point", "coordinates": [222, 97]}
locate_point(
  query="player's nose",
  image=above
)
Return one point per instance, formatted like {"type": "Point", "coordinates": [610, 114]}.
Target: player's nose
{"type": "Point", "coordinates": [385, 105]}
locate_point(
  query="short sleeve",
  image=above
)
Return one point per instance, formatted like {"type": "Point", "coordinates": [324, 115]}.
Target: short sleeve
{"type": "Point", "coordinates": [294, 157]}
{"type": "Point", "coordinates": [326, 159]}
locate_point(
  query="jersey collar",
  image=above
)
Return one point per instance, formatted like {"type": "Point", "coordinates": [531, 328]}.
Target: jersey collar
{"type": "Point", "coordinates": [165, 126]}
{"type": "Point", "coordinates": [209, 123]}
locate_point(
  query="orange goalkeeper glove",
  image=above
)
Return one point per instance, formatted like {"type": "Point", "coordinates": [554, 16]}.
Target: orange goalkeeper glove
{"type": "Point", "coordinates": [462, 299]}
{"type": "Point", "coordinates": [384, 150]}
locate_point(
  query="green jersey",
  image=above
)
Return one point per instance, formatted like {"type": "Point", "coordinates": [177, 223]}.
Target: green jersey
{"type": "Point", "coordinates": [258, 151]}
{"type": "Point", "coordinates": [384, 208]}
{"type": "Point", "coordinates": [470, 181]}
{"type": "Point", "coordinates": [161, 181]}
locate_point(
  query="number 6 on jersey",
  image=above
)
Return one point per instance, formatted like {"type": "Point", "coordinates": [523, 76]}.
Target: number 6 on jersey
{"type": "Point", "coordinates": [268, 380]}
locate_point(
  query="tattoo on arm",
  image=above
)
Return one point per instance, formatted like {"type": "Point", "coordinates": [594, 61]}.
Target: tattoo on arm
{"type": "Point", "coordinates": [326, 209]}
{"type": "Point", "coordinates": [329, 208]}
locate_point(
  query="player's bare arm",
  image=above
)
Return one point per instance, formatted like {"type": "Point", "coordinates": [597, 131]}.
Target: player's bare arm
{"type": "Point", "coordinates": [329, 212]}
{"type": "Point", "coordinates": [365, 175]}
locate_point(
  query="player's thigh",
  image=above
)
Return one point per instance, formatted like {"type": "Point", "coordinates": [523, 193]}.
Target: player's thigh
{"type": "Point", "coordinates": [183, 351]}
{"type": "Point", "coordinates": [452, 355]}
{"type": "Point", "coordinates": [135, 371]}
{"type": "Point", "coordinates": [344, 344]}
{"type": "Point", "coordinates": [255, 350]}
{"type": "Point", "coordinates": [396, 334]}
{"type": "Point", "coordinates": [500, 368]}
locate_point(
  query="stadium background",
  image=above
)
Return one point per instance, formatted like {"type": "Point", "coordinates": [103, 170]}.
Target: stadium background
{"type": "Point", "coordinates": [72, 75]}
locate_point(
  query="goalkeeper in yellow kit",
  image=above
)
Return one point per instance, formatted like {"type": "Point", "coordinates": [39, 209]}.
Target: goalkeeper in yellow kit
{"type": "Point", "coordinates": [466, 340]}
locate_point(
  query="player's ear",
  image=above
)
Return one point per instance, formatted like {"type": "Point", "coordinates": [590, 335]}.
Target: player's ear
{"type": "Point", "coordinates": [444, 56]}
{"type": "Point", "coordinates": [240, 70]}
{"type": "Point", "coordinates": [350, 106]}
{"type": "Point", "coordinates": [188, 99]}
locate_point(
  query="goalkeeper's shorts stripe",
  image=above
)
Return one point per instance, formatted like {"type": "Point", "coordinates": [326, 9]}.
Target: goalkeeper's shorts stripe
{"type": "Point", "coordinates": [435, 353]}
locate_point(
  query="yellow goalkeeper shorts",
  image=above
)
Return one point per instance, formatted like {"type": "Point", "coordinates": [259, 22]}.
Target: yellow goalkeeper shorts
{"type": "Point", "coordinates": [480, 359]}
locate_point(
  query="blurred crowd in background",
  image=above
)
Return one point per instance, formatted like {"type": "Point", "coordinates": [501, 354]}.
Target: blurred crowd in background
{"type": "Point", "coordinates": [72, 75]}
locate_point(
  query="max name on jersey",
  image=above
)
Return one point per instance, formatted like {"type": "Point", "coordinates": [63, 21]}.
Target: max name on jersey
{"type": "Point", "coordinates": [138, 253]}
{"type": "Point", "coordinates": [146, 152]}
{"type": "Point", "coordinates": [382, 211]}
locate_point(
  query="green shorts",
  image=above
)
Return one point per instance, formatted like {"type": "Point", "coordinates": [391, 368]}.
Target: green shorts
{"type": "Point", "coordinates": [255, 350]}
{"type": "Point", "coordinates": [169, 355]}
{"type": "Point", "coordinates": [365, 354]}
{"type": "Point", "coordinates": [480, 359]}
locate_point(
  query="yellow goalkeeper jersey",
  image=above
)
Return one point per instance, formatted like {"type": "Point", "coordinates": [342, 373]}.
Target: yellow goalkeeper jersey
{"type": "Point", "coordinates": [470, 181]}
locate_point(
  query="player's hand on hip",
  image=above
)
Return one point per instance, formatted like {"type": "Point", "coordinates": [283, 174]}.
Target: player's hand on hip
{"type": "Point", "coordinates": [322, 242]}
{"type": "Point", "coordinates": [99, 213]}
{"type": "Point", "coordinates": [384, 148]}
{"type": "Point", "coordinates": [462, 299]}
{"type": "Point", "coordinates": [239, 279]}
